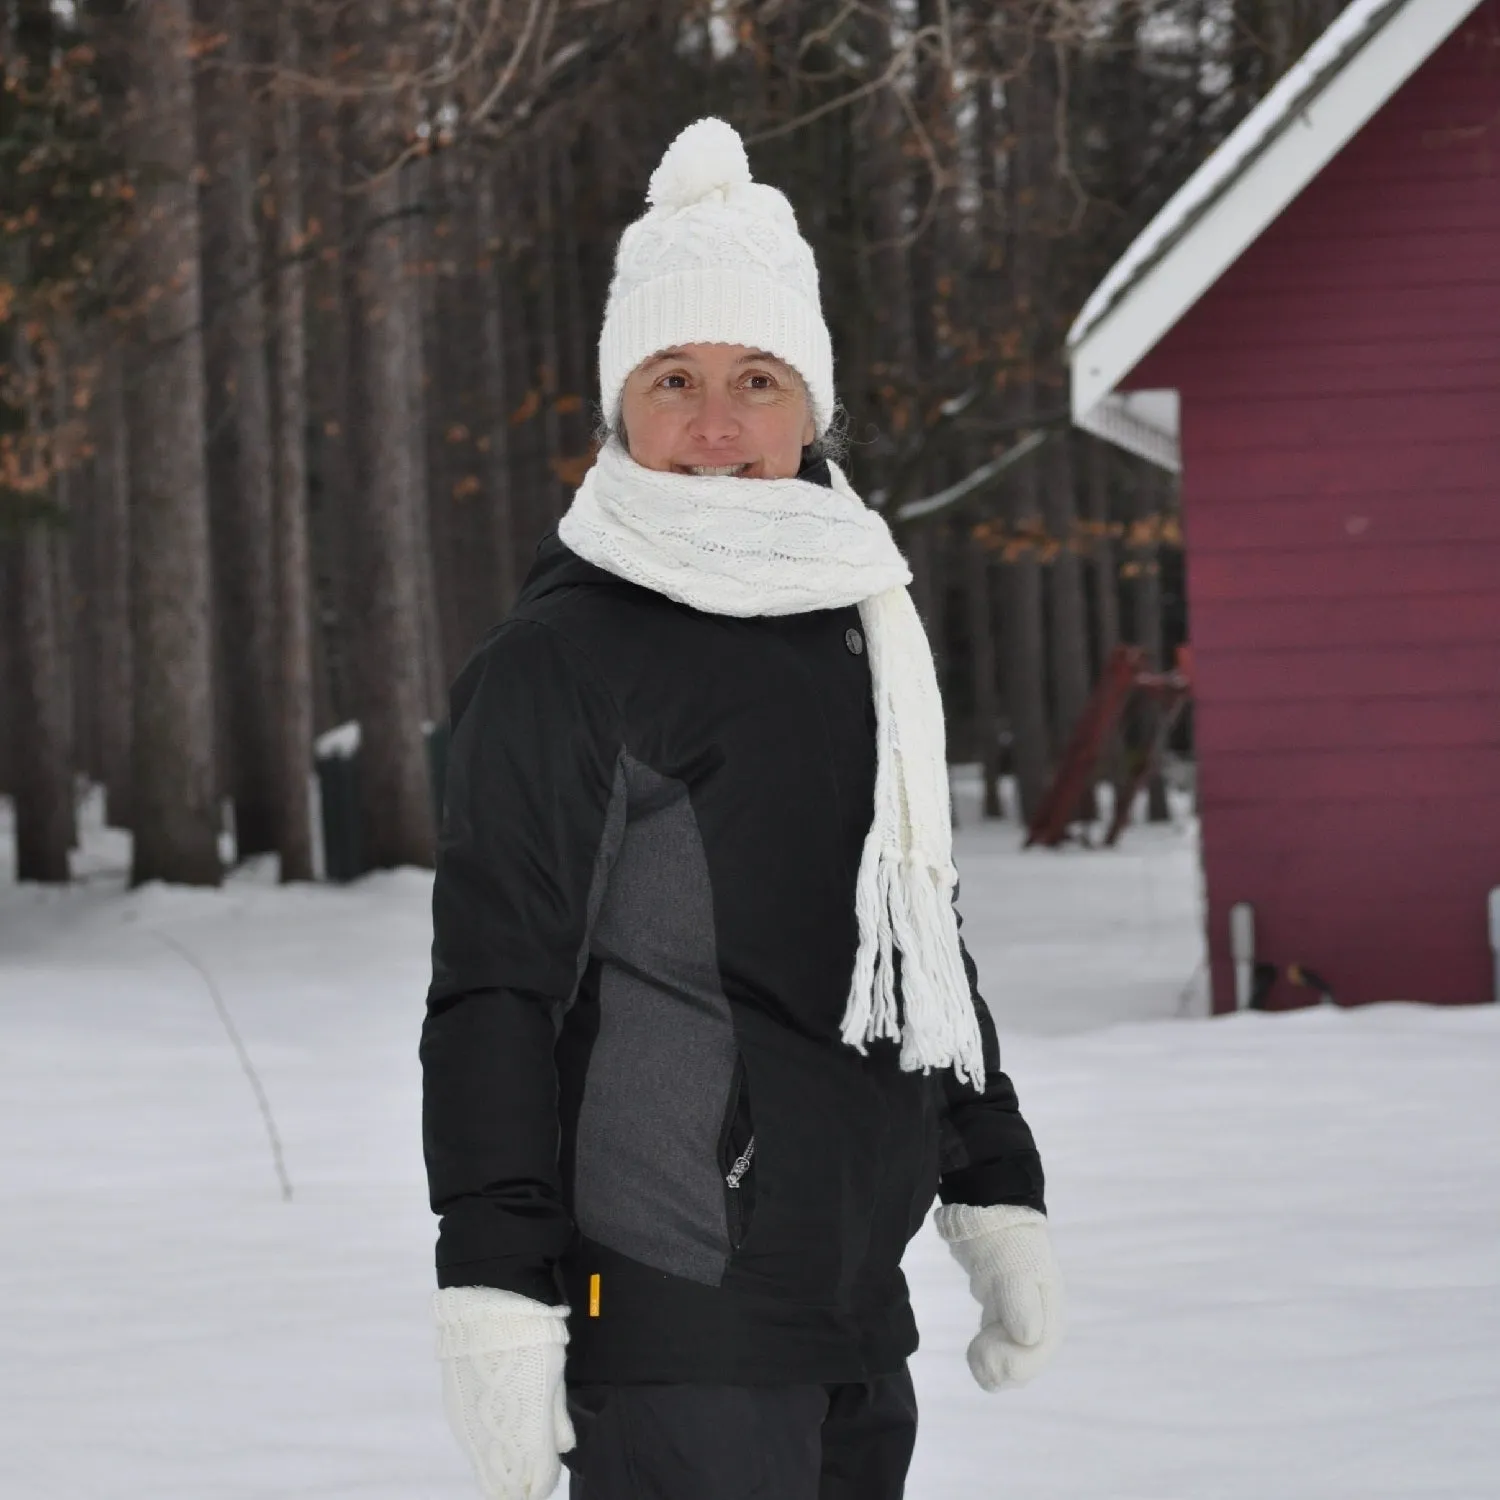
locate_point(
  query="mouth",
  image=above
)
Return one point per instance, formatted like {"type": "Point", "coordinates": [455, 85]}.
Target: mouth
{"type": "Point", "coordinates": [715, 471]}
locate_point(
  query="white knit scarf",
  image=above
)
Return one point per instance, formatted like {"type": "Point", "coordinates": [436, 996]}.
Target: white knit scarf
{"type": "Point", "coordinates": [746, 547]}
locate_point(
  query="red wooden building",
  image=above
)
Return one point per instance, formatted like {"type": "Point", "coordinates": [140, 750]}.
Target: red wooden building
{"type": "Point", "coordinates": [1310, 330]}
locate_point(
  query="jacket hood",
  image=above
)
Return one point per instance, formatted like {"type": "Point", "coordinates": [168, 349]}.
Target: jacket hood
{"type": "Point", "coordinates": [556, 567]}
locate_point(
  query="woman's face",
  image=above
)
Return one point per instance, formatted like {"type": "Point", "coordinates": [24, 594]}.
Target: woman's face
{"type": "Point", "coordinates": [717, 409]}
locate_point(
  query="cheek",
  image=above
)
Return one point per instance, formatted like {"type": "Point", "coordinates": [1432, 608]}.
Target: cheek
{"type": "Point", "coordinates": [779, 433]}
{"type": "Point", "coordinates": [653, 431]}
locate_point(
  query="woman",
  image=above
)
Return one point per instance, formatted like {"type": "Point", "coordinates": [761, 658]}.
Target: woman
{"type": "Point", "coordinates": [702, 1042]}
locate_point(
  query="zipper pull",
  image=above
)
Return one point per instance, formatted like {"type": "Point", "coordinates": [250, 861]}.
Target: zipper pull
{"type": "Point", "coordinates": [742, 1165]}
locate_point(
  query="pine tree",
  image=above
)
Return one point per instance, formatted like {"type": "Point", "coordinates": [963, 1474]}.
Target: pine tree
{"type": "Point", "coordinates": [390, 673]}
{"type": "Point", "coordinates": [238, 415]}
{"type": "Point", "coordinates": [174, 814]}
{"type": "Point", "coordinates": [292, 572]}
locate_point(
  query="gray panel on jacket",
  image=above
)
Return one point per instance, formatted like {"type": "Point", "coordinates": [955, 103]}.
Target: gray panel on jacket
{"type": "Point", "coordinates": [604, 859]}
{"type": "Point", "coordinates": [647, 1180]}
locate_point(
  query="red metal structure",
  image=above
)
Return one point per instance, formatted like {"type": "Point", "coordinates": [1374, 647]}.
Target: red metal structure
{"type": "Point", "coordinates": [1339, 427]}
{"type": "Point", "coordinates": [1124, 679]}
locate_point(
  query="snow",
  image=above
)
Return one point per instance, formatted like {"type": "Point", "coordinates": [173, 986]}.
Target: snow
{"type": "Point", "coordinates": [339, 743]}
{"type": "Point", "coordinates": [1280, 1233]}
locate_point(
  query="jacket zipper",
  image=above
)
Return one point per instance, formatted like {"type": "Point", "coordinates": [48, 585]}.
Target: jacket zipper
{"type": "Point", "coordinates": [734, 1199]}
{"type": "Point", "coordinates": [734, 1166]}
{"type": "Point", "coordinates": [736, 1174]}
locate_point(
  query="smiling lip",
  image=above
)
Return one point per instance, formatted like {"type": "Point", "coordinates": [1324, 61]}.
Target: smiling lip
{"type": "Point", "coordinates": [713, 471]}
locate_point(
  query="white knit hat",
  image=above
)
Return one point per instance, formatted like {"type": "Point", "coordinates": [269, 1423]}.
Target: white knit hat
{"type": "Point", "coordinates": [715, 260]}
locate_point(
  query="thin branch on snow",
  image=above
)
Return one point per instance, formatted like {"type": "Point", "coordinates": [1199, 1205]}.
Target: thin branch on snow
{"type": "Point", "coordinates": [262, 1100]}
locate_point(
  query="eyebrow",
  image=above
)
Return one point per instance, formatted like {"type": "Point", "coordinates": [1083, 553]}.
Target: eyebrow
{"type": "Point", "coordinates": [753, 356]}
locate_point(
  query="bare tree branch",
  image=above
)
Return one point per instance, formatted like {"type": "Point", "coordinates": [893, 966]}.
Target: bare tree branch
{"type": "Point", "coordinates": [945, 499]}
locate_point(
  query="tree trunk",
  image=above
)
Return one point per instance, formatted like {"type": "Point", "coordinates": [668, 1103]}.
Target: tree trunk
{"type": "Point", "coordinates": [331, 465]}
{"type": "Point", "coordinates": [1106, 567]}
{"type": "Point", "coordinates": [489, 306]}
{"type": "Point", "coordinates": [37, 701]}
{"type": "Point", "coordinates": [65, 611]}
{"type": "Point", "coordinates": [80, 548]}
{"type": "Point", "coordinates": [390, 666]}
{"type": "Point", "coordinates": [451, 385]}
{"type": "Point", "coordinates": [7, 688]}
{"type": "Point", "coordinates": [919, 542]}
{"type": "Point", "coordinates": [293, 568]}
{"type": "Point", "coordinates": [39, 748]}
{"type": "Point", "coordinates": [414, 301]}
{"type": "Point", "coordinates": [469, 437]}
{"type": "Point", "coordinates": [983, 663]}
{"type": "Point", "coordinates": [239, 451]}
{"type": "Point", "coordinates": [1106, 583]}
{"type": "Point", "coordinates": [549, 347]}
{"type": "Point", "coordinates": [1068, 638]}
{"type": "Point", "coordinates": [897, 277]}
{"type": "Point", "coordinates": [887, 331]}
{"type": "Point", "coordinates": [175, 822]}
{"type": "Point", "coordinates": [1023, 647]}
{"type": "Point", "coordinates": [109, 597]}
{"type": "Point", "coordinates": [452, 327]}
{"type": "Point", "coordinates": [1023, 634]}
{"type": "Point", "coordinates": [576, 348]}
{"type": "Point", "coordinates": [533, 495]}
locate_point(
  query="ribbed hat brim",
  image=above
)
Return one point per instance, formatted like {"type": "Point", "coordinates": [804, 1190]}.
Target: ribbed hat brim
{"type": "Point", "coordinates": [716, 306]}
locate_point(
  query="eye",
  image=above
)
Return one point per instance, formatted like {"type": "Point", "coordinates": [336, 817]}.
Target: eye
{"type": "Point", "coordinates": [676, 381]}
{"type": "Point", "coordinates": [760, 380]}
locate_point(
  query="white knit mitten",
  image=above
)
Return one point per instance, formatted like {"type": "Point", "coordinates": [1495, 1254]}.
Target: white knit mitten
{"type": "Point", "coordinates": [1014, 1277]}
{"type": "Point", "coordinates": [502, 1357]}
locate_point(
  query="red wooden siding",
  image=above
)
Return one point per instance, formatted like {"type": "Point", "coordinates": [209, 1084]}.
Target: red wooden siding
{"type": "Point", "coordinates": [1341, 448]}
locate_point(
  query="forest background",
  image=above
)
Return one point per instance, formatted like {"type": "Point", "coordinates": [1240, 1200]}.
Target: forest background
{"type": "Point", "coordinates": [298, 311]}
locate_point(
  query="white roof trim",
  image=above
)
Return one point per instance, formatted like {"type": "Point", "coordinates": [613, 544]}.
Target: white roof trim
{"type": "Point", "coordinates": [1282, 144]}
{"type": "Point", "coordinates": [1143, 422]}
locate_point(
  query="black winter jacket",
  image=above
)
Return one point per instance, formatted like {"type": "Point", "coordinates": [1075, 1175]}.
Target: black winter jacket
{"type": "Point", "coordinates": [636, 1097]}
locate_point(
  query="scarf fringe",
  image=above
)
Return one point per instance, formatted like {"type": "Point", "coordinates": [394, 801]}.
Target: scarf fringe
{"type": "Point", "coordinates": [940, 1027]}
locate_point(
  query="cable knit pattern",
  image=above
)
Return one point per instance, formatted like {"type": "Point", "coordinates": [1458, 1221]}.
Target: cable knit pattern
{"type": "Point", "coordinates": [502, 1359]}
{"type": "Point", "coordinates": [716, 259]}
{"type": "Point", "coordinates": [1013, 1274]}
{"type": "Point", "coordinates": [748, 547]}
{"type": "Point", "coordinates": [732, 546]}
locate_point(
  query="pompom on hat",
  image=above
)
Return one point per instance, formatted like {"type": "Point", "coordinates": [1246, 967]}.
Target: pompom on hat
{"type": "Point", "coordinates": [716, 259]}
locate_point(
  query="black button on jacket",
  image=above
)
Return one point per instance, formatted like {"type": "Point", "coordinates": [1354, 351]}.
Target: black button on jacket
{"type": "Point", "coordinates": [635, 1093]}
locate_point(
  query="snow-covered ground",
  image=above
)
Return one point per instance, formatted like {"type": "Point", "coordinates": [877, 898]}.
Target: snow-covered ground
{"type": "Point", "coordinates": [1281, 1234]}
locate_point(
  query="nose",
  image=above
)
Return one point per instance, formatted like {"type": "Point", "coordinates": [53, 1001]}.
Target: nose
{"type": "Point", "coordinates": [715, 422]}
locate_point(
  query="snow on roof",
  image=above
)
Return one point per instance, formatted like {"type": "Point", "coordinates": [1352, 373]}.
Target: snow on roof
{"type": "Point", "coordinates": [1219, 173]}
{"type": "Point", "coordinates": [1332, 91]}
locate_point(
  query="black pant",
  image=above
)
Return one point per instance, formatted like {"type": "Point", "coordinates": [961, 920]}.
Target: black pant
{"type": "Point", "coordinates": [743, 1442]}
